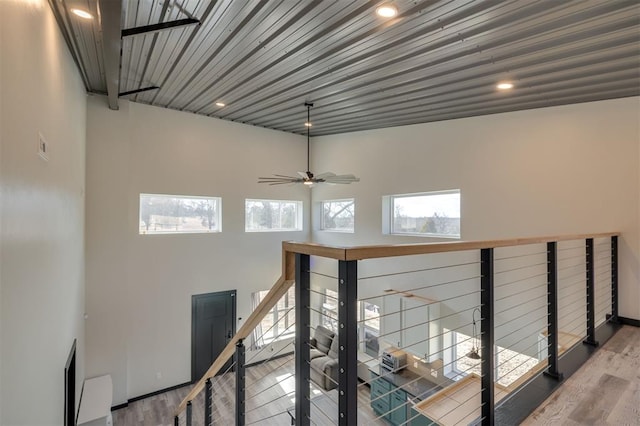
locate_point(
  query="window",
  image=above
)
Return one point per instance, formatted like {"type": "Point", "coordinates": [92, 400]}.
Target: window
{"type": "Point", "coordinates": [431, 214]}
{"type": "Point", "coordinates": [273, 215]}
{"type": "Point", "coordinates": [368, 320]}
{"type": "Point", "coordinates": [280, 322]}
{"type": "Point", "coordinates": [509, 365]}
{"type": "Point", "coordinates": [178, 214]}
{"type": "Point", "coordinates": [338, 215]}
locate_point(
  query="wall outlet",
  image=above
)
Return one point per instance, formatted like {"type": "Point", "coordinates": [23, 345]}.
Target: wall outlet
{"type": "Point", "coordinates": [43, 147]}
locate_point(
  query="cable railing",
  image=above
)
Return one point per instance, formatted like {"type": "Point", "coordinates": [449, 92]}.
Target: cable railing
{"type": "Point", "coordinates": [442, 333]}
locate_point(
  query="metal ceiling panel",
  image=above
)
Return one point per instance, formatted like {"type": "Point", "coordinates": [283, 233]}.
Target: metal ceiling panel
{"type": "Point", "coordinates": [436, 60]}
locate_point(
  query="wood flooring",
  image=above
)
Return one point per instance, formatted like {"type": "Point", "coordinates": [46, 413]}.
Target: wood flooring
{"type": "Point", "coordinates": [605, 391]}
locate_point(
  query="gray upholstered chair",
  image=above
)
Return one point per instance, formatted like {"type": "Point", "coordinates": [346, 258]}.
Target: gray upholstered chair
{"type": "Point", "coordinates": [324, 358]}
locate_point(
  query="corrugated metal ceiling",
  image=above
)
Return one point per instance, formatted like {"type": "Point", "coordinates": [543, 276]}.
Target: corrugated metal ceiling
{"type": "Point", "coordinates": [436, 60]}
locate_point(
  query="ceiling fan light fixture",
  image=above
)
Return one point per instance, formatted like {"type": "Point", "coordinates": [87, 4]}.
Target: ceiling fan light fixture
{"type": "Point", "coordinates": [505, 85]}
{"type": "Point", "coordinates": [308, 178]}
{"type": "Point", "coordinates": [220, 104]}
{"type": "Point", "coordinates": [387, 10]}
{"type": "Point", "coordinates": [308, 124]}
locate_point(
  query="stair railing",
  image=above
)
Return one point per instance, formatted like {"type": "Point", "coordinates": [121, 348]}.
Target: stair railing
{"type": "Point", "coordinates": [569, 294]}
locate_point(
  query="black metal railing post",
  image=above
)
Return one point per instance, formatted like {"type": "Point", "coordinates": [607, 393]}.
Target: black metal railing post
{"type": "Point", "coordinates": [591, 295]}
{"type": "Point", "coordinates": [348, 342]}
{"type": "Point", "coordinates": [208, 403]}
{"type": "Point", "coordinates": [552, 310]}
{"type": "Point", "coordinates": [176, 421]}
{"type": "Point", "coordinates": [487, 364]}
{"type": "Point", "coordinates": [189, 410]}
{"type": "Point", "coordinates": [302, 348]}
{"type": "Point", "coordinates": [240, 385]}
{"type": "Point", "coordinates": [614, 279]}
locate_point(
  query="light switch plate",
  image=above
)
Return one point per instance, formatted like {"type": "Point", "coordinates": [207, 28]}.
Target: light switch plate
{"type": "Point", "coordinates": [43, 147]}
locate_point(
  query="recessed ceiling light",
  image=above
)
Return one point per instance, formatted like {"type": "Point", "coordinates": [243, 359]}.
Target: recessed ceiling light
{"type": "Point", "coordinates": [308, 124]}
{"type": "Point", "coordinates": [220, 104]}
{"type": "Point", "coordinates": [82, 13]}
{"type": "Point", "coordinates": [504, 85]}
{"type": "Point", "coordinates": [387, 11]}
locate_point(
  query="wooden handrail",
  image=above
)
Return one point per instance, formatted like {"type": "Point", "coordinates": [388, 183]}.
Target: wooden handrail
{"type": "Point", "coordinates": [289, 249]}
{"type": "Point", "coordinates": [374, 252]}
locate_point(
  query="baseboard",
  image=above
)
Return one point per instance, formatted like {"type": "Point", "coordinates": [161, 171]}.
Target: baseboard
{"type": "Point", "coordinates": [158, 392]}
{"type": "Point", "coordinates": [629, 321]}
{"type": "Point", "coordinates": [117, 407]}
{"type": "Point", "coordinates": [269, 359]}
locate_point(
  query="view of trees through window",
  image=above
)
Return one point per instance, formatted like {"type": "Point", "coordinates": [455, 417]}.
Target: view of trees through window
{"type": "Point", "coordinates": [338, 215]}
{"type": "Point", "coordinates": [165, 214]}
{"type": "Point", "coordinates": [273, 215]}
{"type": "Point", "coordinates": [436, 213]}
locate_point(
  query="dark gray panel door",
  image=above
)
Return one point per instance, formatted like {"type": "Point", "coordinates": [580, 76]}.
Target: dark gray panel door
{"type": "Point", "coordinates": [212, 326]}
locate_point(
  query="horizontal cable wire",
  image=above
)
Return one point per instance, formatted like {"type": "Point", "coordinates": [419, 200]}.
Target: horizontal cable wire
{"type": "Point", "coordinates": [544, 274]}
{"type": "Point", "coordinates": [322, 275]}
{"type": "Point", "coordinates": [538, 287]}
{"type": "Point", "coordinates": [571, 299]}
{"type": "Point", "coordinates": [268, 417]}
{"type": "Point", "coordinates": [323, 294]}
{"type": "Point", "coordinates": [582, 246]}
{"type": "Point", "coordinates": [263, 347]}
{"type": "Point", "coordinates": [580, 331]}
{"type": "Point", "coordinates": [518, 329]}
{"type": "Point", "coordinates": [521, 304]}
{"type": "Point", "coordinates": [457, 296]}
{"type": "Point", "coordinates": [266, 403]}
{"type": "Point", "coordinates": [579, 256]}
{"type": "Point", "coordinates": [422, 288]}
{"type": "Point", "coordinates": [582, 273]}
{"type": "Point", "coordinates": [249, 386]}
{"type": "Point", "coordinates": [519, 256]}
{"type": "Point", "coordinates": [577, 265]}
{"type": "Point", "coordinates": [603, 273]}
{"type": "Point", "coordinates": [581, 322]}
{"type": "Point", "coordinates": [511, 320]}
{"type": "Point", "coordinates": [520, 268]}
{"type": "Point", "coordinates": [418, 270]}
{"type": "Point", "coordinates": [579, 309]}
{"type": "Point", "coordinates": [253, 384]}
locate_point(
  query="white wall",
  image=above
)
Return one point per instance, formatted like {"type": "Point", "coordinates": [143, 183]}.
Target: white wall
{"type": "Point", "coordinates": [560, 170]}
{"type": "Point", "coordinates": [42, 215]}
{"type": "Point", "coordinates": [139, 287]}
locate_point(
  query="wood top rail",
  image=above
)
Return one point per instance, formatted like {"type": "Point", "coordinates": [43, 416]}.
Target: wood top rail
{"type": "Point", "coordinates": [351, 253]}
{"type": "Point", "coordinates": [374, 252]}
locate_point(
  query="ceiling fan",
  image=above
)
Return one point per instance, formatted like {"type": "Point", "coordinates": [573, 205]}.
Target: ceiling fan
{"type": "Point", "coordinates": [308, 178]}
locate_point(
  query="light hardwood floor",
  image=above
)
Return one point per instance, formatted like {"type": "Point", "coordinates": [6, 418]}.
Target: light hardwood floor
{"type": "Point", "coordinates": [605, 391]}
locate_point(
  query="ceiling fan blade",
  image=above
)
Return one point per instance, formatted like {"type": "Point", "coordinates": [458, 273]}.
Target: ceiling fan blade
{"type": "Point", "coordinates": [304, 175]}
{"type": "Point", "coordinates": [324, 175]}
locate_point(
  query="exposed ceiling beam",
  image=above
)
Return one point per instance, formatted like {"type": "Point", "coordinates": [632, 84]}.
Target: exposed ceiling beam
{"type": "Point", "coordinates": [142, 89]}
{"type": "Point", "coordinates": [154, 28]}
{"type": "Point", "coordinates": [110, 17]}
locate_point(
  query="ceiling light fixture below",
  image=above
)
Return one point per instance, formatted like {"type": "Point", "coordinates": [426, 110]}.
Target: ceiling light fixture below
{"type": "Point", "coordinates": [82, 13]}
{"type": "Point", "coordinates": [220, 104]}
{"type": "Point", "coordinates": [308, 178]}
{"type": "Point", "coordinates": [387, 11]}
{"type": "Point", "coordinates": [504, 86]}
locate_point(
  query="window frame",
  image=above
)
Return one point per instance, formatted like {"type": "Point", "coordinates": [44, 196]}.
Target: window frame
{"type": "Point", "coordinates": [217, 216]}
{"type": "Point", "coordinates": [323, 226]}
{"type": "Point", "coordinates": [388, 214]}
{"type": "Point", "coordinates": [299, 220]}
{"type": "Point", "coordinates": [276, 313]}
